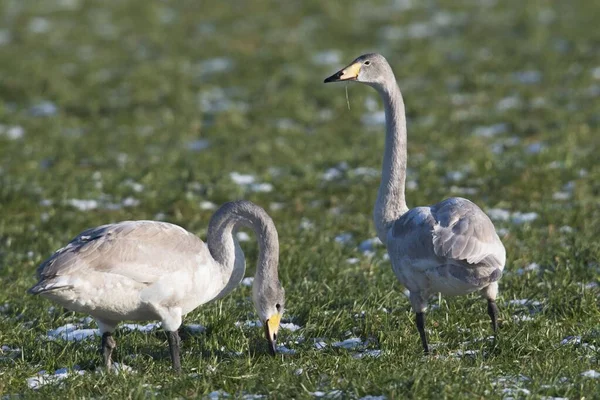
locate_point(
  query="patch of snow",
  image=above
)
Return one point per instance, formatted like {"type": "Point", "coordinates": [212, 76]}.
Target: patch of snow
{"type": "Point", "coordinates": [561, 196]}
{"type": "Point", "coordinates": [72, 333]}
{"type": "Point", "coordinates": [12, 132]}
{"type": "Point", "coordinates": [366, 172]}
{"type": "Point", "coordinates": [333, 394]}
{"type": "Point", "coordinates": [198, 145]}
{"type": "Point", "coordinates": [276, 206]}
{"type": "Point", "coordinates": [83, 205]}
{"type": "Point", "coordinates": [524, 302]}
{"type": "Point", "coordinates": [242, 237]}
{"type": "Point", "coordinates": [376, 118]}
{"type": "Point", "coordinates": [249, 324]}
{"type": "Point", "coordinates": [214, 65]}
{"type": "Point", "coordinates": [142, 328]}
{"type": "Point", "coordinates": [596, 73]}
{"type": "Point", "coordinates": [463, 353]}
{"type": "Point", "coordinates": [352, 260]}
{"type": "Point", "coordinates": [490, 130]}
{"type": "Point", "coordinates": [43, 378]}
{"type": "Point", "coordinates": [343, 238]}
{"type": "Point", "coordinates": [332, 174]}
{"type": "Point", "coordinates": [498, 214]}
{"type": "Point", "coordinates": [571, 340]}
{"type": "Point", "coordinates": [523, 218]}
{"type": "Point", "coordinates": [284, 350]}
{"type": "Point", "coordinates": [289, 326]}
{"type": "Point", "coordinates": [130, 202]}
{"type": "Point", "coordinates": [306, 224]}
{"type": "Point", "coordinates": [207, 205]}
{"type": "Point", "coordinates": [368, 353]}
{"type": "Point", "coordinates": [522, 318]}
{"type": "Point", "coordinates": [248, 281]}
{"type": "Point", "coordinates": [319, 344]}
{"type": "Point", "coordinates": [371, 397]}
{"type": "Point", "coordinates": [369, 244]}
{"type": "Point", "coordinates": [527, 77]}
{"type": "Point", "coordinates": [217, 394]}
{"type": "Point", "coordinates": [195, 328]}
{"type": "Point", "coordinates": [591, 374]}
{"type": "Point", "coordinates": [242, 179]}
{"type": "Point", "coordinates": [43, 109]}
{"type": "Point", "coordinates": [348, 344]}
{"type": "Point", "coordinates": [38, 25]}
{"type": "Point", "coordinates": [509, 103]}
{"type": "Point", "coordinates": [535, 148]}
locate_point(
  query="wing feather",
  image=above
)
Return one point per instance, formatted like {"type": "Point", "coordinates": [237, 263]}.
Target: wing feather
{"type": "Point", "coordinates": [140, 250]}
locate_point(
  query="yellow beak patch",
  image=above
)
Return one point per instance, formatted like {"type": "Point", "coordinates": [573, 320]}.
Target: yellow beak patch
{"type": "Point", "coordinates": [350, 72]}
{"type": "Point", "coordinates": [273, 324]}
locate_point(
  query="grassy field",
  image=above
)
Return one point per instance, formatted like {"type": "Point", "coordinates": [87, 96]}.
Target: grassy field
{"type": "Point", "coordinates": [114, 110]}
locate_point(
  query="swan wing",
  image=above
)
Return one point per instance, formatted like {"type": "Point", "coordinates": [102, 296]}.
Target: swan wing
{"type": "Point", "coordinates": [464, 232]}
{"type": "Point", "coordinates": [143, 251]}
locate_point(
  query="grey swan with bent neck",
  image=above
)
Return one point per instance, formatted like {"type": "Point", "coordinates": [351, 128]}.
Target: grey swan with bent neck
{"type": "Point", "coordinates": [150, 270]}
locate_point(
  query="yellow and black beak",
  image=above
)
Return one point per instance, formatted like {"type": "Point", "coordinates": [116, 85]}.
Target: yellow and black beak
{"type": "Point", "coordinates": [350, 73]}
{"type": "Point", "coordinates": [271, 330]}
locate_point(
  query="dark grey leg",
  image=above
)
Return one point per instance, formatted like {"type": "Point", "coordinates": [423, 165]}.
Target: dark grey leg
{"type": "Point", "coordinates": [493, 313]}
{"type": "Point", "coordinates": [108, 345]}
{"type": "Point", "coordinates": [421, 328]}
{"type": "Point", "coordinates": [174, 343]}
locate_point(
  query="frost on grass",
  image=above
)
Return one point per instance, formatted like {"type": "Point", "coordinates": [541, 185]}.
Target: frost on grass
{"type": "Point", "coordinates": [517, 218]}
{"type": "Point", "coordinates": [12, 132]}
{"type": "Point", "coordinates": [332, 394]}
{"type": "Point", "coordinates": [142, 328]}
{"type": "Point", "coordinates": [591, 374]}
{"type": "Point", "coordinates": [248, 281]}
{"type": "Point", "coordinates": [343, 238]}
{"type": "Point", "coordinates": [72, 333]}
{"type": "Point", "coordinates": [249, 183]}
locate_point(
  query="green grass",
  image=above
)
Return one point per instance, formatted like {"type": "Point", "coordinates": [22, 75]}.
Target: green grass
{"type": "Point", "coordinates": [128, 81]}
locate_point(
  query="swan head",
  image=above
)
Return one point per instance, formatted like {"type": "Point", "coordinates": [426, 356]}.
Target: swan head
{"type": "Point", "coordinates": [371, 69]}
{"type": "Point", "coordinates": [269, 302]}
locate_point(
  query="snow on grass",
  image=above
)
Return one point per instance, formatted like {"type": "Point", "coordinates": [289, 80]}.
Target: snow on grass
{"type": "Point", "coordinates": [43, 378]}
{"type": "Point", "coordinates": [72, 333]}
{"type": "Point", "coordinates": [195, 328]}
{"type": "Point", "coordinates": [142, 328]}
{"type": "Point", "coordinates": [248, 281]}
{"type": "Point", "coordinates": [490, 130]}
{"type": "Point", "coordinates": [198, 145]}
{"type": "Point", "coordinates": [343, 238]}
{"type": "Point", "coordinates": [256, 323]}
{"type": "Point", "coordinates": [591, 374]}
{"type": "Point", "coordinates": [242, 237]}
{"type": "Point", "coordinates": [12, 132]}
{"type": "Point", "coordinates": [43, 109]}
{"type": "Point", "coordinates": [249, 182]}
{"type": "Point", "coordinates": [207, 205]}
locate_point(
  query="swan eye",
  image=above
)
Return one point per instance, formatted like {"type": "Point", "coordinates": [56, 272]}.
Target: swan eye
{"type": "Point", "coordinates": [367, 62]}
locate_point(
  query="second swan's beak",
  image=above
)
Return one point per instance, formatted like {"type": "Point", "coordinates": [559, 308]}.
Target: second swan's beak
{"type": "Point", "coordinates": [350, 73]}
{"type": "Point", "coordinates": [271, 329]}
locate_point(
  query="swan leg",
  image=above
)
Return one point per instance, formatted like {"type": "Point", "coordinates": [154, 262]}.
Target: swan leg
{"type": "Point", "coordinates": [490, 292]}
{"type": "Point", "coordinates": [108, 343]}
{"type": "Point", "coordinates": [419, 305]}
{"type": "Point", "coordinates": [492, 309]}
{"type": "Point", "coordinates": [174, 346]}
{"type": "Point", "coordinates": [421, 328]}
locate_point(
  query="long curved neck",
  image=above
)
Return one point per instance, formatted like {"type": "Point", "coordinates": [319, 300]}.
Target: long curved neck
{"type": "Point", "coordinates": [391, 203]}
{"type": "Point", "coordinates": [226, 251]}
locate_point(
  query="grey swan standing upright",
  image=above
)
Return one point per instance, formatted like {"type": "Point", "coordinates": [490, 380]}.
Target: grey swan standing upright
{"type": "Point", "coordinates": [150, 270]}
{"type": "Point", "coordinates": [450, 247]}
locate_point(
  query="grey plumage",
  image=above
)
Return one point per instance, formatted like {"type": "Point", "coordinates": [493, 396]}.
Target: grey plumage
{"type": "Point", "coordinates": [450, 247]}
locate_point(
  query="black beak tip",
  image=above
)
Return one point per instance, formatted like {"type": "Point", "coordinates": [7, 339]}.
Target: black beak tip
{"type": "Point", "coordinates": [333, 78]}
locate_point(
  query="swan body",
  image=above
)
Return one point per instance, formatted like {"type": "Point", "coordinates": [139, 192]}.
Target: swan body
{"type": "Point", "coordinates": [450, 247]}
{"type": "Point", "coordinates": [150, 270]}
